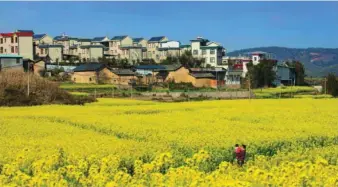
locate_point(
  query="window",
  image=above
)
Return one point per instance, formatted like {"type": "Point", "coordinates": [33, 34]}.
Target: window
{"type": "Point", "coordinates": [195, 52]}
{"type": "Point", "coordinates": [255, 58]}
{"type": "Point", "coordinates": [16, 49]}
{"type": "Point", "coordinates": [90, 79]}
{"type": "Point", "coordinates": [212, 51]}
{"type": "Point", "coordinates": [12, 49]}
{"type": "Point", "coordinates": [212, 59]}
{"type": "Point", "coordinates": [12, 39]}
{"type": "Point", "coordinates": [204, 52]}
{"type": "Point", "coordinates": [1, 40]}
{"type": "Point", "coordinates": [5, 40]}
{"type": "Point", "coordinates": [1, 49]}
{"type": "Point", "coordinates": [18, 61]}
{"type": "Point", "coordinates": [16, 39]}
{"type": "Point", "coordinates": [41, 51]}
{"type": "Point", "coordinates": [74, 79]}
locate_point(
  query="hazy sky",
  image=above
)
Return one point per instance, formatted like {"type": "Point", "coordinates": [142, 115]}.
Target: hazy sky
{"type": "Point", "coordinates": [235, 25]}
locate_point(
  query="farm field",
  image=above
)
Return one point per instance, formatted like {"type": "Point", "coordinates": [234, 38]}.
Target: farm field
{"type": "Point", "coordinates": [115, 142]}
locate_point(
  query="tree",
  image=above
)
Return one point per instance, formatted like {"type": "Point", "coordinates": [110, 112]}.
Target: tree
{"type": "Point", "coordinates": [170, 60]}
{"type": "Point", "coordinates": [187, 60]}
{"type": "Point", "coordinates": [262, 74]}
{"type": "Point", "coordinates": [331, 85]}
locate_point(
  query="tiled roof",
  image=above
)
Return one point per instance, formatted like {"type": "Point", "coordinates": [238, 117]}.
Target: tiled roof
{"type": "Point", "coordinates": [50, 46]}
{"type": "Point", "coordinates": [89, 67]}
{"type": "Point", "coordinates": [123, 72]}
{"type": "Point", "coordinates": [159, 67]}
{"type": "Point", "coordinates": [84, 40]}
{"type": "Point", "coordinates": [98, 39]}
{"type": "Point", "coordinates": [64, 38]}
{"type": "Point", "coordinates": [119, 37]}
{"type": "Point", "coordinates": [38, 36]}
{"type": "Point", "coordinates": [156, 39]}
{"type": "Point", "coordinates": [150, 67]}
{"type": "Point", "coordinates": [206, 70]}
{"type": "Point", "coordinates": [202, 75]}
{"type": "Point", "coordinates": [25, 31]}
{"type": "Point", "coordinates": [137, 40]}
{"type": "Point", "coordinates": [91, 46]}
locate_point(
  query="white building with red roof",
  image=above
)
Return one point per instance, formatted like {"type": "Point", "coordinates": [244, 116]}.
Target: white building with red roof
{"type": "Point", "coordinates": [19, 42]}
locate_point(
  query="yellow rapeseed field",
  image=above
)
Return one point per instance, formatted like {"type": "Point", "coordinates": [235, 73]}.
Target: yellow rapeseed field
{"type": "Point", "coordinates": [290, 142]}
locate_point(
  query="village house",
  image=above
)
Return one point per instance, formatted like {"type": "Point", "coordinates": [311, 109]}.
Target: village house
{"type": "Point", "coordinates": [116, 45]}
{"type": "Point", "coordinates": [11, 62]}
{"type": "Point", "coordinates": [51, 53]}
{"type": "Point", "coordinates": [39, 39]}
{"type": "Point", "coordinates": [211, 52]}
{"type": "Point", "coordinates": [152, 48]}
{"type": "Point", "coordinates": [92, 73]}
{"type": "Point", "coordinates": [19, 43]}
{"type": "Point", "coordinates": [123, 77]}
{"type": "Point", "coordinates": [285, 74]}
{"type": "Point", "coordinates": [169, 48]}
{"type": "Point", "coordinates": [39, 67]}
{"type": "Point", "coordinates": [66, 41]}
{"type": "Point", "coordinates": [103, 40]}
{"type": "Point", "coordinates": [91, 53]}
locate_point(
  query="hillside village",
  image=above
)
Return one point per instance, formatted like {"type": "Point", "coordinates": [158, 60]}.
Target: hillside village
{"type": "Point", "coordinates": [84, 59]}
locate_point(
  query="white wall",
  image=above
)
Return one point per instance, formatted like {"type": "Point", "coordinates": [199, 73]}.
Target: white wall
{"type": "Point", "coordinates": [170, 44]}
{"type": "Point", "coordinates": [26, 46]}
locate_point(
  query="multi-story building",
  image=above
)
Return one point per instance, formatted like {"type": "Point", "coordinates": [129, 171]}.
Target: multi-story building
{"type": "Point", "coordinates": [169, 48]}
{"type": "Point", "coordinates": [117, 44]}
{"type": "Point", "coordinates": [91, 53]}
{"type": "Point", "coordinates": [212, 52]}
{"type": "Point", "coordinates": [50, 52]}
{"type": "Point", "coordinates": [66, 41]}
{"type": "Point", "coordinates": [152, 48]}
{"type": "Point", "coordinates": [140, 42]}
{"type": "Point", "coordinates": [100, 40]}
{"type": "Point", "coordinates": [40, 39]}
{"type": "Point", "coordinates": [19, 42]}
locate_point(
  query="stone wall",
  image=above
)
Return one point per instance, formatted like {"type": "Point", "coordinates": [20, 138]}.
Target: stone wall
{"type": "Point", "coordinates": [221, 95]}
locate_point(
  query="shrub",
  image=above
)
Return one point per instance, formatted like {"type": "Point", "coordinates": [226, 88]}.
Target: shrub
{"type": "Point", "coordinates": [14, 91]}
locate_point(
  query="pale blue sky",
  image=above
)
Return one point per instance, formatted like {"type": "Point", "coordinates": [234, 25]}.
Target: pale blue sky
{"type": "Point", "coordinates": [234, 24]}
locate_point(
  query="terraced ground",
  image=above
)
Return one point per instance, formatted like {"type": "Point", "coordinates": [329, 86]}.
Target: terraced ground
{"type": "Point", "coordinates": [118, 142]}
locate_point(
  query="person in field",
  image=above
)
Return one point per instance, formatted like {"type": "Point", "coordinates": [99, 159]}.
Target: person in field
{"type": "Point", "coordinates": [235, 152]}
{"type": "Point", "coordinates": [240, 154]}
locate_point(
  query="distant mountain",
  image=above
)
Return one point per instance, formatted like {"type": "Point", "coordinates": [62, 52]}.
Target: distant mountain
{"type": "Point", "coordinates": [317, 61]}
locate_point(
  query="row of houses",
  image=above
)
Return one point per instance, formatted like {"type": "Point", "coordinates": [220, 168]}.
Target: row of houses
{"type": "Point", "coordinates": [66, 48]}
{"type": "Point", "coordinates": [148, 74]}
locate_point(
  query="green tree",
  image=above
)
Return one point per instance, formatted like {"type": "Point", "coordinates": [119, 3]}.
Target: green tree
{"type": "Point", "coordinates": [262, 74]}
{"type": "Point", "coordinates": [299, 72]}
{"type": "Point", "coordinates": [187, 60]}
{"type": "Point", "coordinates": [331, 85]}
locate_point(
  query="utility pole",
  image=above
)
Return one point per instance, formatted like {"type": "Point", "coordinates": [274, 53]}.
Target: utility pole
{"type": "Point", "coordinates": [325, 85]}
{"type": "Point", "coordinates": [249, 87]}
{"type": "Point", "coordinates": [28, 82]}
